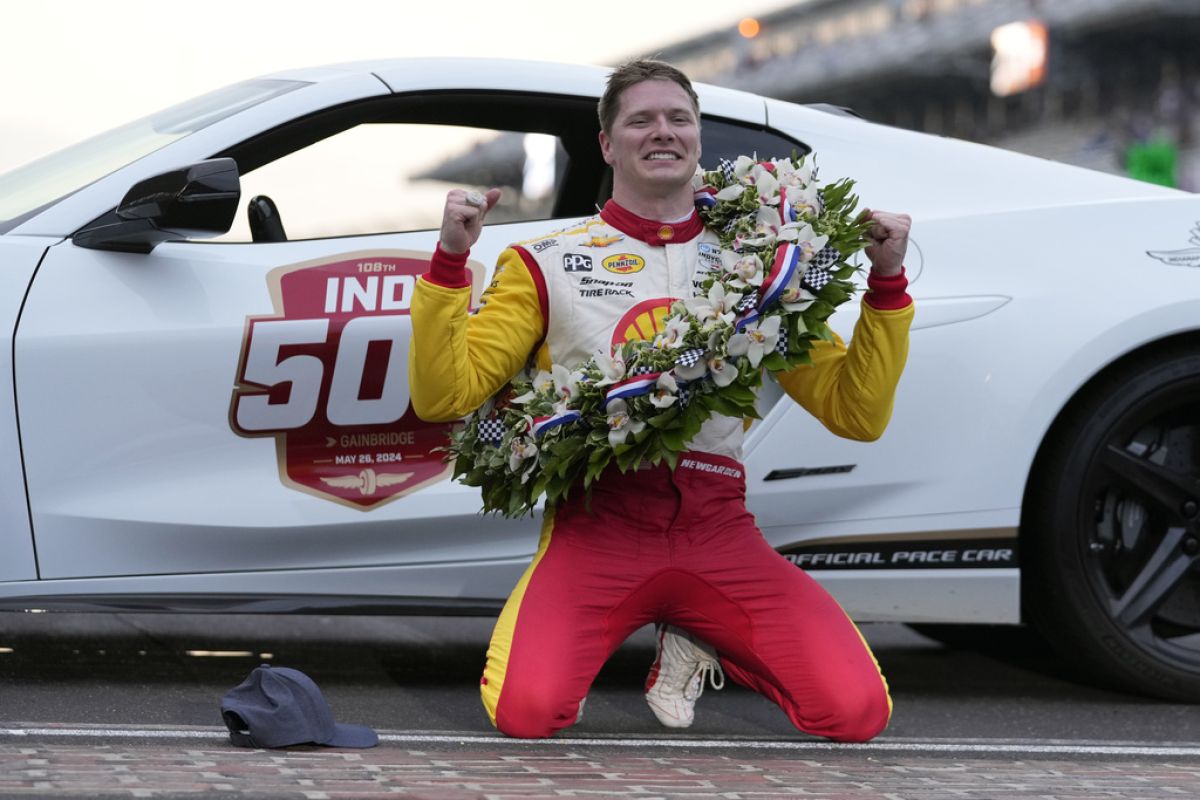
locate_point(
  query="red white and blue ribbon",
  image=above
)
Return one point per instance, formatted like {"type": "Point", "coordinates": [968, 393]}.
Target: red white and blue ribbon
{"type": "Point", "coordinates": [748, 318]}
{"type": "Point", "coordinates": [787, 213]}
{"type": "Point", "coordinates": [543, 424]}
{"type": "Point", "coordinates": [631, 387]}
{"type": "Point", "coordinates": [705, 197]}
{"type": "Point", "coordinates": [787, 261]}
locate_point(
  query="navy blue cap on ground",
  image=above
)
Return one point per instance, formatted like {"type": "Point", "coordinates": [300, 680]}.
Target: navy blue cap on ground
{"type": "Point", "coordinates": [279, 707]}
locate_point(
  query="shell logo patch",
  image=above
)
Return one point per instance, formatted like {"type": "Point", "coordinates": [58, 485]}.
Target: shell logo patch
{"type": "Point", "coordinates": [643, 321]}
{"type": "Point", "coordinates": [624, 263]}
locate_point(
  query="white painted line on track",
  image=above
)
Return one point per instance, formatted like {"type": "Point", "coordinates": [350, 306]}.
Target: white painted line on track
{"type": "Point", "coordinates": [911, 746]}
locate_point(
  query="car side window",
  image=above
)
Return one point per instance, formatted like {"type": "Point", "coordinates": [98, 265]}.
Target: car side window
{"type": "Point", "coordinates": [723, 139]}
{"type": "Point", "coordinates": [384, 165]}
{"type": "Point", "coordinates": [390, 177]}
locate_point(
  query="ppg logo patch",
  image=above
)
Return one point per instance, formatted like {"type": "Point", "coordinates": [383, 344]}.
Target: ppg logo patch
{"type": "Point", "coordinates": [577, 262]}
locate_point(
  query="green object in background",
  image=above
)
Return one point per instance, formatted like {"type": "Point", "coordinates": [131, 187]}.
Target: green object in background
{"type": "Point", "coordinates": [1153, 161]}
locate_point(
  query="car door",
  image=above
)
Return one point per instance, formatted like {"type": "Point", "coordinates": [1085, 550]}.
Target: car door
{"type": "Point", "coordinates": [241, 406]}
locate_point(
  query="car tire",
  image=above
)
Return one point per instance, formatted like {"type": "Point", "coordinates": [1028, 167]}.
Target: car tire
{"type": "Point", "coordinates": [1111, 529]}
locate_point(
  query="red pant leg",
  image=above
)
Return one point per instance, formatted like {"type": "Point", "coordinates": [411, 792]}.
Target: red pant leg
{"type": "Point", "coordinates": [582, 595]}
{"type": "Point", "coordinates": [777, 630]}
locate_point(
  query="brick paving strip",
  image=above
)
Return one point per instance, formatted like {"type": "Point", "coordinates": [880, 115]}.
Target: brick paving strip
{"type": "Point", "coordinates": [199, 762]}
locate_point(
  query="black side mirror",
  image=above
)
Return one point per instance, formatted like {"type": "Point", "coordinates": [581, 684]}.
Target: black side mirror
{"type": "Point", "coordinates": [192, 202]}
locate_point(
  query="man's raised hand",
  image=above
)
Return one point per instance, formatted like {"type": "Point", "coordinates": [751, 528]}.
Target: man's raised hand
{"type": "Point", "coordinates": [888, 237]}
{"type": "Point", "coordinates": [462, 218]}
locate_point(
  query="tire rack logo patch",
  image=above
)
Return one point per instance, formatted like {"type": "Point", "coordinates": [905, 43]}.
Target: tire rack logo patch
{"type": "Point", "coordinates": [327, 377]}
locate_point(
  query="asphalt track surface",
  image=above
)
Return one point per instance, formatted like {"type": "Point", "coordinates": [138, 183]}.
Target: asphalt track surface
{"type": "Point", "coordinates": [126, 705]}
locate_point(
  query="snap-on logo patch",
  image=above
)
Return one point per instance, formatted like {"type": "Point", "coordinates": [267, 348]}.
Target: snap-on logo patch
{"type": "Point", "coordinates": [624, 263]}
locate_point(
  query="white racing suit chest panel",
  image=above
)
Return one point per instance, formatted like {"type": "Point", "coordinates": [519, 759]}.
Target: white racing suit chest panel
{"type": "Point", "coordinates": [604, 286]}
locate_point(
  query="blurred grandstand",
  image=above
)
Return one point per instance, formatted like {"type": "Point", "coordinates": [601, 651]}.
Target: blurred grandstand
{"type": "Point", "coordinates": [1113, 85]}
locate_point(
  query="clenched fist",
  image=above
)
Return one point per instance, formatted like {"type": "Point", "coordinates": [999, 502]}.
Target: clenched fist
{"type": "Point", "coordinates": [462, 219]}
{"type": "Point", "coordinates": [888, 237]}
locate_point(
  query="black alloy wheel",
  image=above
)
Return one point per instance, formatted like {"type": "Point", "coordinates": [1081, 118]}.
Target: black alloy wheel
{"type": "Point", "coordinates": [1111, 530]}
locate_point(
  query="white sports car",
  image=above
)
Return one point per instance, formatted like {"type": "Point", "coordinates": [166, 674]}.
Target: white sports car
{"type": "Point", "coordinates": [210, 410]}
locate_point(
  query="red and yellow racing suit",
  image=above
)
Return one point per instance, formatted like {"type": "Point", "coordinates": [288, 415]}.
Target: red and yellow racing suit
{"type": "Point", "coordinates": [658, 546]}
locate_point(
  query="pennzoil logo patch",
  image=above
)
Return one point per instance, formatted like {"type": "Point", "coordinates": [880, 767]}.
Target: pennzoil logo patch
{"type": "Point", "coordinates": [624, 263]}
{"type": "Point", "coordinates": [326, 376]}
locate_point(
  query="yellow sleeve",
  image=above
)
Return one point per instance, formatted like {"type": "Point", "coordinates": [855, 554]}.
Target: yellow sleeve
{"type": "Point", "coordinates": [457, 360]}
{"type": "Point", "coordinates": [851, 389]}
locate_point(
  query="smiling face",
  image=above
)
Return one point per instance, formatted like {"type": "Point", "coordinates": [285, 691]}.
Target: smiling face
{"type": "Point", "coordinates": [654, 144]}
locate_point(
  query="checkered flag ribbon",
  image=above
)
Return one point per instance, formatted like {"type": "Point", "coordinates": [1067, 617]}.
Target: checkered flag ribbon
{"type": "Point", "coordinates": [726, 168]}
{"type": "Point", "coordinates": [690, 358]}
{"type": "Point", "coordinates": [641, 369]}
{"type": "Point", "coordinates": [748, 302]}
{"type": "Point", "coordinates": [684, 394]}
{"type": "Point", "coordinates": [782, 342]}
{"type": "Point", "coordinates": [816, 278]}
{"type": "Point", "coordinates": [828, 256]}
{"type": "Point", "coordinates": [490, 430]}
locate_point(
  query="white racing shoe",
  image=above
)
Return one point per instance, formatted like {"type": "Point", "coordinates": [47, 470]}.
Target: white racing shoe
{"type": "Point", "coordinates": [677, 677]}
{"type": "Point", "coordinates": [579, 716]}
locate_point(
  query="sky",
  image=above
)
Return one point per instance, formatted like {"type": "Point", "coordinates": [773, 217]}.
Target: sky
{"type": "Point", "coordinates": [74, 68]}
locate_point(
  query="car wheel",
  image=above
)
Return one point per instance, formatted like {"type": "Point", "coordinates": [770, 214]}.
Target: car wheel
{"type": "Point", "coordinates": [1111, 533]}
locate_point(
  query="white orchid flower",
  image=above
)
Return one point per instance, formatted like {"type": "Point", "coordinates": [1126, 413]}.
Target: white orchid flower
{"type": "Point", "coordinates": [767, 186]}
{"type": "Point", "coordinates": [673, 333]}
{"type": "Point", "coordinates": [749, 272]}
{"type": "Point", "coordinates": [611, 367]}
{"type": "Point", "coordinates": [731, 192]}
{"type": "Point", "coordinates": [620, 424]}
{"type": "Point", "coordinates": [793, 176]}
{"type": "Point", "coordinates": [723, 372]}
{"type": "Point", "coordinates": [805, 200]}
{"type": "Point", "coordinates": [805, 238]}
{"type": "Point", "coordinates": [795, 297]}
{"type": "Point", "coordinates": [766, 228]}
{"type": "Point", "coordinates": [717, 307]}
{"type": "Point", "coordinates": [664, 391]}
{"type": "Point", "coordinates": [723, 302]}
{"type": "Point", "coordinates": [695, 371]}
{"type": "Point", "coordinates": [702, 309]}
{"type": "Point", "coordinates": [742, 166]}
{"type": "Point", "coordinates": [566, 382]}
{"type": "Point", "coordinates": [756, 340]}
{"type": "Point", "coordinates": [542, 383]}
{"type": "Point", "coordinates": [522, 399]}
{"type": "Point", "coordinates": [521, 449]}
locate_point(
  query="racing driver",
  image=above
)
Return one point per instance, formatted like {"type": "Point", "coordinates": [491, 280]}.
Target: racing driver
{"type": "Point", "coordinates": [673, 547]}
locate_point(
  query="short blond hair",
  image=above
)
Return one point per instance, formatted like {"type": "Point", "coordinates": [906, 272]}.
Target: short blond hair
{"type": "Point", "coordinates": [632, 73]}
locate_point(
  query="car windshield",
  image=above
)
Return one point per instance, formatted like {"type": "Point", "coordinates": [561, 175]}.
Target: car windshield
{"type": "Point", "coordinates": [37, 184]}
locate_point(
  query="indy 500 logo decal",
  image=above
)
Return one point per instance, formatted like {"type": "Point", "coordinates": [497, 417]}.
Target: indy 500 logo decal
{"type": "Point", "coordinates": [327, 376]}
